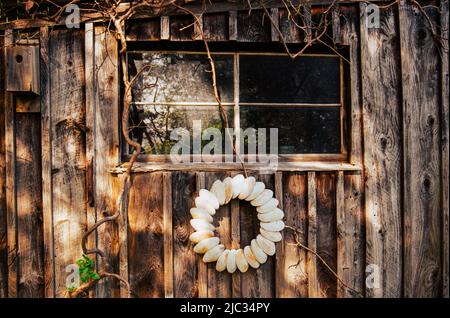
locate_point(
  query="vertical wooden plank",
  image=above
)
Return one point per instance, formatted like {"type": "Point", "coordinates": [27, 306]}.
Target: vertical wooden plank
{"type": "Point", "coordinates": [29, 206]}
{"type": "Point", "coordinates": [198, 27]}
{"type": "Point", "coordinates": [326, 232]}
{"type": "Point", "coordinates": [165, 28]}
{"type": "Point", "coordinates": [380, 71]}
{"type": "Point", "coordinates": [307, 22]}
{"type": "Point", "coordinates": [291, 271]}
{"type": "Point", "coordinates": [146, 238]}
{"type": "Point", "coordinates": [47, 210]}
{"type": "Point", "coordinates": [202, 279]}
{"type": "Point", "coordinates": [66, 53]}
{"type": "Point", "coordinates": [445, 149]}
{"type": "Point", "coordinates": [232, 26]}
{"type": "Point", "coordinates": [261, 282]}
{"type": "Point", "coordinates": [118, 184]}
{"type": "Point", "coordinates": [11, 212]}
{"type": "Point", "coordinates": [107, 152]}
{"type": "Point", "coordinates": [236, 280]}
{"type": "Point", "coordinates": [421, 113]}
{"type": "Point", "coordinates": [275, 25]}
{"type": "Point", "coordinates": [288, 26]}
{"type": "Point", "coordinates": [311, 260]}
{"type": "Point", "coordinates": [219, 284]}
{"type": "Point", "coordinates": [336, 24]}
{"type": "Point", "coordinates": [254, 27]}
{"type": "Point", "coordinates": [168, 236]}
{"type": "Point", "coordinates": [215, 26]}
{"type": "Point", "coordinates": [184, 258]}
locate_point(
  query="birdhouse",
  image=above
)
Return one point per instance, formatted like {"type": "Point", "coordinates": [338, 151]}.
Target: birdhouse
{"type": "Point", "coordinates": [22, 74]}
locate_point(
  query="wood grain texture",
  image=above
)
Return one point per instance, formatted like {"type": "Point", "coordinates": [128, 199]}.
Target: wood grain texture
{"type": "Point", "coordinates": [307, 22]}
{"type": "Point", "coordinates": [291, 271]}
{"type": "Point", "coordinates": [288, 27]}
{"type": "Point", "coordinates": [106, 140]}
{"type": "Point", "coordinates": [256, 283]}
{"type": "Point", "coordinates": [236, 235]}
{"type": "Point", "coordinates": [326, 232]}
{"type": "Point", "coordinates": [165, 28]}
{"type": "Point", "coordinates": [148, 30]}
{"type": "Point", "coordinates": [445, 150]}
{"type": "Point", "coordinates": [312, 262]}
{"type": "Point", "coordinates": [184, 258]}
{"type": "Point", "coordinates": [254, 27]}
{"type": "Point", "coordinates": [215, 27]}
{"type": "Point", "coordinates": [168, 234]}
{"type": "Point", "coordinates": [29, 206]}
{"type": "Point", "coordinates": [380, 71]}
{"type": "Point", "coordinates": [146, 237]}
{"type": "Point", "coordinates": [66, 53]}
{"type": "Point", "coordinates": [182, 28]}
{"type": "Point", "coordinates": [275, 25]}
{"type": "Point", "coordinates": [219, 284]}
{"type": "Point", "coordinates": [47, 209]}
{"type": "Point", "coordinates": [421, 113]}
{"type": "Point", "coordinates": [202, 278]}
{"type": "Point", "coordinates": [232, 26]}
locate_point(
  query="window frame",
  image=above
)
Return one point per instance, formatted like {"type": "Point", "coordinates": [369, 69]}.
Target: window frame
{"type": "Point", "coordinates": [341, 157]}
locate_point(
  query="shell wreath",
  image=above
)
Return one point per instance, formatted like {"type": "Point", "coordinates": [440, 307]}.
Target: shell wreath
{"type": "Point", "coordinates": [269, 215]}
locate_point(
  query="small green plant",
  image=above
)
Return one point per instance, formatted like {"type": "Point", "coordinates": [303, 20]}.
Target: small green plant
{"type": "Point", "coordinates": [71, 289]}
{"type": "Point", "coordinates": [86, 267]}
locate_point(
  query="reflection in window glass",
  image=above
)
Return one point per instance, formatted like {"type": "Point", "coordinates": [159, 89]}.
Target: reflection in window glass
{"type": "Point", "coordinates": [178, 77]}
{"type": "Point", "coordinates": [280, 79]}
{"type": "Point", "coordinates": [300, 129]}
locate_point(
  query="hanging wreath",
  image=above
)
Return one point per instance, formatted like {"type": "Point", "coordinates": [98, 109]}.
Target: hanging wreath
{"type": "Point", "coordinates": [269, 215]}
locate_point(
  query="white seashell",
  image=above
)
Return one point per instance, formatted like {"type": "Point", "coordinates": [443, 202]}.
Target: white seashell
{"type": "Point", "coordinates": [273, 226]}
{"type": "Point", "coordinates": [228, 184]}
{"type": "Point", "coordinates": [211, 198]}
{"type": "Point", "coordinates": [241, 262]}
{"type": "Point", "coordinates": [263, 198]}
{"type": "Point", "coordinates": [206, 244]}
{"type": "Point", "coordinates": [201, 225]}
{"type": "Point", "coordinates": [218, 189]}
{"type": "Point", "coordinates": [221, 264]}
{"type": "Point", "coordinates": [260, 256]}
{"type": "Point", "coordinates": [213, 254]}
{"type": "Point", "coordinates": [200, 235]}
{"type": "Point", "coordinates": [272, 236]}
{"type": "Point", "coordinates": [250, 258]}
{"type": "Point", "coordinates": [273, 216]}
{"type": "Point", "coordinates": [202, 202]}
{"type": "Point", "coordinates": [231, 261]}
{"type": "Point", "coordinates": [198, 213]}
{"type": "Point", "coordinates": [249, 184]}
{"type": "Point", "coordinates": [238, 184]}
{"type": "Point", "coordinates": [269, 206]}
{"type": "Point", "coordinates": [267, 246]}
{"type": "Point", "coordinates": [257, 190]}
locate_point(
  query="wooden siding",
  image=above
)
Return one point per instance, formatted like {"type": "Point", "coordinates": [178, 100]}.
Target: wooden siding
{"type": "Point", "coordinates": [391, 213]}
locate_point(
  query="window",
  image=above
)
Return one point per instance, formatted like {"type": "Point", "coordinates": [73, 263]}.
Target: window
{"type": "Point", "coordinates": [303, 98]}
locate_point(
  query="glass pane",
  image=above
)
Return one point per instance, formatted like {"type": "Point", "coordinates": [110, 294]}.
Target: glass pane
{"type": "Point", "coordinates": [180, 77]}
{"type": "Point", "coordinates": [152, 124]}
{"type": "Point", "coordinates": [300, 129]}
{"type": "Point", "coordinates": [279, 79]}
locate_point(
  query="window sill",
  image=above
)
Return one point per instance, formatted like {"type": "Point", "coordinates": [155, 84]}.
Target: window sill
{"type": "Point", "coordinates": [140, 167]}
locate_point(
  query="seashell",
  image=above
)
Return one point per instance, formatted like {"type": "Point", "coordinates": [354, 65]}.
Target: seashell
{"type": "Point", "coordinates": [231, 261]}
{"type": "Point", "coordinates": [273, 216]}
{"type": "Point", "coordinates": [250, 258]}
{"type": "Point", "coordinates": [228, 184]}
{"type": "Point", "coordinates": [202, 202]}
{"type": "Point", "coordinates": [213, 254]}
{"type": "Point", "coordinates": [218, 189]}
{"type": "Point", "coordinates": [211, 198]}
{"type": "Point", "coordinates": [271, 236]}
{"type": "Point", "coordinates": [272, 226]}
{"type": "Point", "coordinates": [259, 254]}
{"type": "Point", "coordinates": [201, 225]}
{"type": "Point", "coordinates": [269, 206]}
{"type": "Point", "coordinates": [249, 184]}
{"type": "Point", "coordinates": [267, 246]}
{"type": "Point", "coordinates": [257, 190]}
{"type": "Point", "coordinates": [263, 198]}
{"type": "Point", "coordinates": [198, 213]}
{"type": "Point", "coordinates": [221, 264]}
{"type": "Point", "coordinates": [200, 236]}
{"type": "Point", "coordinates": [206, 244]}
{"type": "Point", "coordinates": [241, 262]}
{"type": "Point", "coordinates": [238, 184]}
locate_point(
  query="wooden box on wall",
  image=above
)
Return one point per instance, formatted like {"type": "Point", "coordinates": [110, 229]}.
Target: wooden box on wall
{"type": "Point", "coordinates": [22, 69]}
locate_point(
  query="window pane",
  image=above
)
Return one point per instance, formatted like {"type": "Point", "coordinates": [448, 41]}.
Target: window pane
{"type": "Point", "coordinates": [300, 129]}
{"type": "Point", "coordinates": [180, 77]}
{"type": "Point", "coordinates": [152, 124]}
{"type": "Point", "coordinates": [279, 79]}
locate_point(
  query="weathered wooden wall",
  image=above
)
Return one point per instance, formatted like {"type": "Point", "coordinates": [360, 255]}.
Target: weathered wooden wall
{"type": "Point", "coordinates": [392, 213]}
